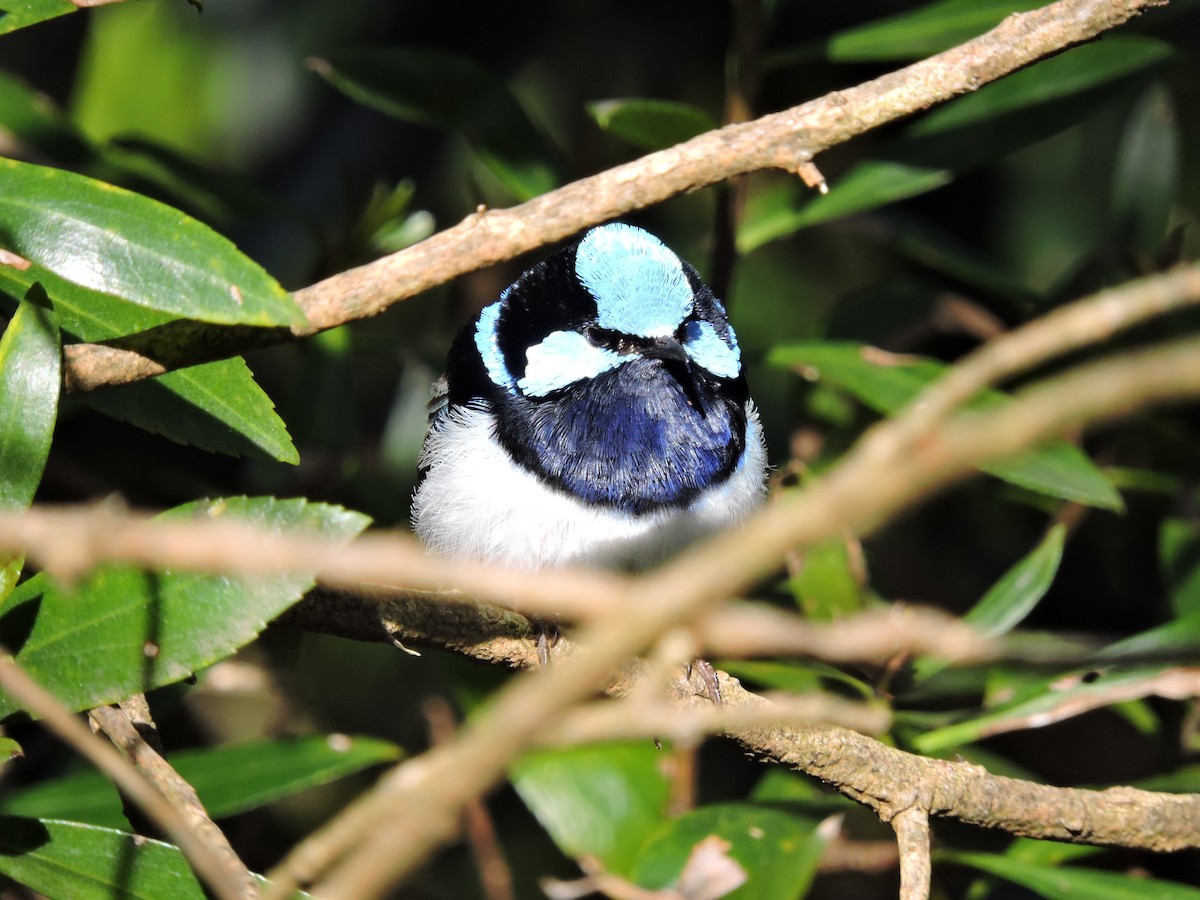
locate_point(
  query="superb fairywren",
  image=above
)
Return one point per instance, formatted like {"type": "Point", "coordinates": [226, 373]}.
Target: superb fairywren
{"type": "Point", "coordinates": [596, 413]}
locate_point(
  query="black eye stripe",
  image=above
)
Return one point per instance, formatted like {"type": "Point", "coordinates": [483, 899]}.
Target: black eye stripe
{"type": "Point", "coordinates": [610, 340]}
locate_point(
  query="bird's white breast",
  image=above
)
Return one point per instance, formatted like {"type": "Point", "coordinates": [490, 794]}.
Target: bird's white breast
{"type": "Point", "coordinates": [476, 502]}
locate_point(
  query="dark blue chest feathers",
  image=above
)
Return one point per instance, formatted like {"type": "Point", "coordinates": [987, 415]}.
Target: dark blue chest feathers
{"type": "Point", "coordinates": [639, 438]}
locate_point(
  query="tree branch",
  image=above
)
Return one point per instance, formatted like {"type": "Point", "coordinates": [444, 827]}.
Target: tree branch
{"type": "Point", "coordinates": [226, 876]}
{"type": "Point", "coordinates": [786, 140]}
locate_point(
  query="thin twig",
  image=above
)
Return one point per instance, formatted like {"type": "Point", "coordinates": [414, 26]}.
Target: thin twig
{"type": "Point", "coordinates": [1090, 321]}
{"type": "Point", "coordinates": [609, 720]}
{"type": "Point", "coordinates": [209, 863]}
{"type": "Point", "coordinates": [916, 868]}
{"type": "Point", "coordinates": [180, 794]}
{"type": "Point", "coordinates": [495, 876]}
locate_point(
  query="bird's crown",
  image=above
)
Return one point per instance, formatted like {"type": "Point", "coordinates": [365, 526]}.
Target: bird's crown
{"type": "Point", "coordinates": [617, 295]}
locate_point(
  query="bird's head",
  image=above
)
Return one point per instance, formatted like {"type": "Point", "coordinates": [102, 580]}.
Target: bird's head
{"type": "Point", "coordinates": [616, 297]}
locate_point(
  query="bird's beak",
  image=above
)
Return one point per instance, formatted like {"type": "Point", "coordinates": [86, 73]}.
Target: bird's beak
{"type": "Point", "coordinates": [664, 348]}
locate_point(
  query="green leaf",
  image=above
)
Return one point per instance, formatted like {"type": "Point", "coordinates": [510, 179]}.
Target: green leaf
{"type": "Point", "coordinates": [83, 313]}
{"type": "Point", "coordinates": [650, 124]}
{"type": "Point", "coordinates": [121, 630]}
{"type": "Point", "coordinates": [22, 13]}
{"type": "Point", "coordinates": [1147, 172]}
{"type": "Point", "coordinates": [826, 586]}
{"type": "Point", "coordinates": [36, 122]}
{"type": "Point", "coordinates": [797, 676]}
{"type": "Point", "coordinates": [922, 32]}
{"type": "Point", "coordinates": [10, 572]}
{"type": "Point", "coordinates": [1178, 637]}
{"type": "Point", "coordinates": [228, 780]}
{"type": "Point", "coordinates": [1001, 117]}
{"type": "Point", "coordinates": [9, 749]}
{"type": "Point", "coordinates": [450, 91]}
{"type": "Point", "coordinates": [1057, 469]}
{"type": "Point", "coordinates": [83, 862]}
{"type": "Point", "coordinates": [1065, 77]}
{"type": "Point", "coordinates": [30, 376]}
{"type": "Point", "coordinates": [1013, 597]}
{"type": "Point", "coordinates": [1048, 853]}
{"type": "Point", "coordinates": [108, 239]}
{"type": "Point", "coordinates": [602, 800]}
{"type": "Point", "coordinates": [1183, 780]}
{"type": "Point", "coordinates": [799, 792]}
{"type": "Point", "coordinates": [65, 859]}
{"type": "Point", "coordinates": [871, 184]}
{"type": "Point", "coordinates": [217, 406]}
{"type": "Point", "coordinates": [1179, 561]}
{"type": "Point", "coordinates": [1056, 883]}
{"type": "Point", "coordinates": [1043, 704]}
{"type": "Point", "coordinates": [778, 851]}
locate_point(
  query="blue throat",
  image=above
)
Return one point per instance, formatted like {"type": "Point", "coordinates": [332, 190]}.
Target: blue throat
{"type": "Point", "coordinates": [636, 439]}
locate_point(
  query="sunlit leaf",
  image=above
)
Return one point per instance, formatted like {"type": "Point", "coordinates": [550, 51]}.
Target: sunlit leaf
{"type": "Point", "coordinates": [1179, 636]}
{"type": "Point", "coordinates": [65, 859]}
{"type": "Point", "coordinates": [122, 631]}
{"type": "Point", "coordinates": [82, 312]}
{"type": "Point", "coordinates": [30, 367]}
{"type": "Point", "coordinates": [22, 13]}
{"type": "Point", "coordinates": [1057, 469]}
{"type": "Point", "coordinates": [1184, 780]}
{"type": "Point", "coordinates": [83, 862]}
{"type": "Point", "coordinates": [111, 240]}
{"type": "Point", "coordinates": [10, 571]}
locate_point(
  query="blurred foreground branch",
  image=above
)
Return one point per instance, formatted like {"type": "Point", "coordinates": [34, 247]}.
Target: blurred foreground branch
{"type": "Point", "coordinates": [212, 859]}
{"type": "Point", "coordinates": [418, 806]}
{"type": "Point", "coordinates": [786, 140]}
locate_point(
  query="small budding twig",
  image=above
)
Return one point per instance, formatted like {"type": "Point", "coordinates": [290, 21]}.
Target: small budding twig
{"type": "Point", "coordinates": [916, 867]}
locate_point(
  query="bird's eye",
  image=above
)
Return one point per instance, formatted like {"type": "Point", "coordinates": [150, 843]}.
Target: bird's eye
{"type": "Point", "coordinates": [594, 335]}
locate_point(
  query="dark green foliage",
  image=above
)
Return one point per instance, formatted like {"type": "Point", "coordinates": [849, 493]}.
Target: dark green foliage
{"type": "Point", "coordinates": [157, 166]}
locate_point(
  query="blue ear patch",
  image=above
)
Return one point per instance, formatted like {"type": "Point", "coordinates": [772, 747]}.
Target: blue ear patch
{"type": "Point", "coordinates": [487, 342]}
{"type": "Point", "coordinates": [639, 284]}
{"type": "Point", "coordinates": [709, 351]}
{"type": "Point", "coordinates": [562, 358]}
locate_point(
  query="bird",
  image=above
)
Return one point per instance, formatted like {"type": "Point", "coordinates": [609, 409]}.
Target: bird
{"type": "Point", "coordinates": [596, 414]}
